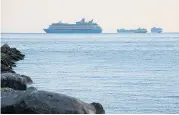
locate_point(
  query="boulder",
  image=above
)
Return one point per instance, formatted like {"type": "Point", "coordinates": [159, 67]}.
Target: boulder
{"type": "Point", "coordinates": [98, 107]}
{"type": "Point", "coordinates": [16, 54]}
{"type": "Point", "coordinates": [6, 89]}
{"type": "Point", "coordinates": [16, 98]}
{"type": "Point", "coordinates": [10, 55]}
{"type": "Point", "coordinates": [6, 60]}
{"type": "Point", "coordinates": [28, 80]}
{"type": "Point", "coordinates": [15, 81]}
{"type": "Point", "coordinates": [5, 68]}
{"type": "Point", "coordinates": [5, 48]}
{"type": "Point", "coordinates": [32, 101]}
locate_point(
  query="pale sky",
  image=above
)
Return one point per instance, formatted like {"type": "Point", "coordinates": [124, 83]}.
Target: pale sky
{"type": "Point", "coordinates": [34, 15]}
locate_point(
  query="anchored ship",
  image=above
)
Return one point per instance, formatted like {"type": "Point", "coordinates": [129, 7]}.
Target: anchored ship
{"type": "Point", "coordinates": [156, 30]}
{"type": "Point", "coordinates": [139, 30]}
{"type": "Point", "coordinates": [79, 27]}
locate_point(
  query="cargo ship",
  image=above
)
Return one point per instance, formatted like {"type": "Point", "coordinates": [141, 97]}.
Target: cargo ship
{"type": "Point", "coordinates": [156, 30]}
{"type": "Point", "coordinates": [138, 30]}
{"type": "Point", "coordinates": [79, 27]}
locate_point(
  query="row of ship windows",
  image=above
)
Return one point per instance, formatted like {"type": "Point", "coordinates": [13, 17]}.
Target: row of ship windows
{"type": "Point", "coordinates": [73, 27]}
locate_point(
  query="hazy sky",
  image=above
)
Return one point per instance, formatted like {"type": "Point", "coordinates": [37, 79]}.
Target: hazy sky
{"type": "Point", "coordinates": [34, 15]}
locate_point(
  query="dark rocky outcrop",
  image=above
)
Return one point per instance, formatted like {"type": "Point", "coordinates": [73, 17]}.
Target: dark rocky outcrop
{"type": "Point", "coordinates": [34, 101]}
{"type": "Point", "coordinates": [14, 54]}
{"type": "Point", "coordinates": [15, 81]}
{"type": "Point", "coordinates": [16, 98]}
{"type": "Point", "coordinates": [8, 58]}
{"type": "Point", "coordinates": [5, 69]}
{"type": "Point", "coordinates": [8, 77]}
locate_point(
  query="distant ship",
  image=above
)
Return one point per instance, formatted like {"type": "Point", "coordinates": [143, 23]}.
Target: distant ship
{"type": "Point", "coordinates": [79, 27]}
{"type": "Point", "coordinates": [156, 30]}
{"type": "Point", "coordinates": [139, 30]}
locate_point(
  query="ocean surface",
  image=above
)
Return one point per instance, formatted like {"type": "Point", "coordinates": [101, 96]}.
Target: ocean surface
{"type": "Point", "coordinates": [126, 73]}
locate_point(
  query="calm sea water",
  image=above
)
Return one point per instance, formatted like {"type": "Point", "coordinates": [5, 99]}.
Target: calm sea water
{"type": "Point", "coordinates": [126, 73]}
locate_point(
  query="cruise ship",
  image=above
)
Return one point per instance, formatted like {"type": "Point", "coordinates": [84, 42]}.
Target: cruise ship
{"type": "Point", "coordinates": [156, 30]}
{"type": "Point", "coordinates": [79, 27]}
{"type": "Point", "coordinates": [138, 30]}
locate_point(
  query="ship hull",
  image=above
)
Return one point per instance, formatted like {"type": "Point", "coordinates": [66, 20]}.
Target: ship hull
{"type": "Point", "coordinates": [156, 32]}
{"type": "Point", "coordinates": [72, 31]}
{"type": "Point", "coordinates": [131, 32]}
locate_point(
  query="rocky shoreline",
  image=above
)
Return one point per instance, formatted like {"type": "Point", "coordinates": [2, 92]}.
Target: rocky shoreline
{"type": "Point", "coordinates": [17, 98]}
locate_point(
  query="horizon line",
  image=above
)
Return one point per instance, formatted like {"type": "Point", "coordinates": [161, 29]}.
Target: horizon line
{"type": "Point", "coordinates": [83, 33]}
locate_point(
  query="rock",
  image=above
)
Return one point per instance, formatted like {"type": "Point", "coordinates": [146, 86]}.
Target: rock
{"type": "Point", "coordinates": [5, 48]}
{"type": "Point", "coordinates": [8, 77]}
{"type": "Point", "coordinates": [6, 89]}
{"type": "Point", "coordinates": [6, 60]}
{"type": "Point", "coordinates": [33, 101]}
{"type": "Point", "coordinates": [5, 68]}
{"type": "Point", "coordinates": [15, 81]}
{"type": "Point", "coordinates": [16, 98]}
{"type": "Point", "coordinates": [10, 55]}
{"type": "Point", "coordinates": [16, 54]}
{"type": "Point", "coordinates": [31, 88]}
{"type": "Point", "coordinates": [9, 99]}
{"type": "Point", "coordinates": [98, 107]}
{"type": "Point", "coordinates": [27, 78]}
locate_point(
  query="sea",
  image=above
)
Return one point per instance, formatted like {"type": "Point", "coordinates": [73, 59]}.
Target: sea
{"type": "Point", "coordinates": [126, 73]}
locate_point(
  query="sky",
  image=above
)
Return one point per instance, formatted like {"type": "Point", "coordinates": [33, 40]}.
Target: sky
{"type": "Point", "coordinates": [31, 16]}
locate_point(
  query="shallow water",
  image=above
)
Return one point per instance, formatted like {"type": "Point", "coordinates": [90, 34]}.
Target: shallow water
{"type": "Point", "coordinates": [126, 73]}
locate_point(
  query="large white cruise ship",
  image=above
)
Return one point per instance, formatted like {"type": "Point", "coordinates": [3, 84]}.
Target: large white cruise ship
{"type": "Point", "coordinates": [79, 27]}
